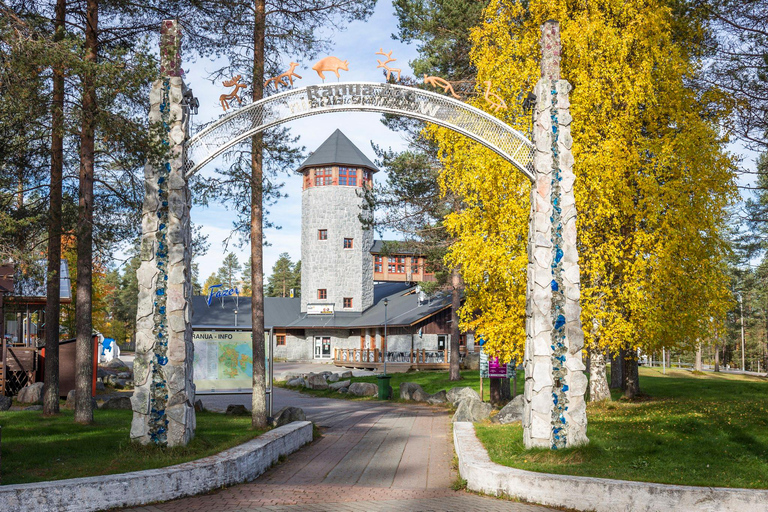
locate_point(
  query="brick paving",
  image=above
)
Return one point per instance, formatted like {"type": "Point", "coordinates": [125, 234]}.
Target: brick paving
{"type": "Point", "coordinates": [371, 457]}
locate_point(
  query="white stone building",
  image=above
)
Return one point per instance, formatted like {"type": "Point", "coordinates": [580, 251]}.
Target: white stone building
{"type": "Point", "coordinates": [341, 311]}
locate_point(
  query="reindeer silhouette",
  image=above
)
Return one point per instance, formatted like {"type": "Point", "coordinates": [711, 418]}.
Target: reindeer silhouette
{"type": "Point", "coordinates": [226, 98]}
{"type": "Point", "coordinates": [436, 81]}
{"type": "Point", "coordinates": [384, 64]}
{"type": "Point", "coordinates": [288, 74]}
{"type": "Point", "coordinates": [488, 95]}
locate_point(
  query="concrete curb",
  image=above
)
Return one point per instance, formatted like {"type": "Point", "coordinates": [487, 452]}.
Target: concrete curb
{"type": "Point", "coordinates": [592, 494]}
{"type": "Point", "coordinates": [239, 464]}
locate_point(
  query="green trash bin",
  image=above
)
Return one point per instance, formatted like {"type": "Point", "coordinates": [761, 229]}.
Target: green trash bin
{"type": "Point", "coordinates": [384, 388]}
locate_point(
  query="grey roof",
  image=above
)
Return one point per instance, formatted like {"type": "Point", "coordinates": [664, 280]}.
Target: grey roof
{"type": "Point", "coordinates": [337, 150]}
{"type": "Point", "coordinates": [404, 308]}
{"type": "Point", "coordinates": [390, 246]}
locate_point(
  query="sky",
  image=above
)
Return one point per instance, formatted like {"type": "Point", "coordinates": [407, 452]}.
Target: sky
{"type": "Point", "coordinates": [358, 43]}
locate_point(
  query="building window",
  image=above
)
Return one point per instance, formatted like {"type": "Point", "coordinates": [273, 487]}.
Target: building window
{"type": "Point", "coordinates": [347, 176]}
{"type": "Point", "coordinates": [323, 176]}
{"type": "Point", "coordinates": [347, 302]}
{"type": "Point", "coordinates": [396, 264]}
{"type": "Point", "coordinates": [280, 339]}
{"type": "Point", "coordinates": [347, 243]}
{"type": "Point", "coordinates": [322, 294]}
{"type": "Point", "coordinates": [378, 264]}
{"type": "Point", "coordinates": [322, 234]}
{"type": "Point", "coordinates": [414, 265]}
{"type": "Point", "coordinates": [367, 176]}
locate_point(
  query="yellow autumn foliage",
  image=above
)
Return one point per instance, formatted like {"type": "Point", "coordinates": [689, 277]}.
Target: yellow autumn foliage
{"type": "Point", "coordinates": [653, 177]}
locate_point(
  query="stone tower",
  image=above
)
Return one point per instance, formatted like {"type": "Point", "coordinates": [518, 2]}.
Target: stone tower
{"type": "Point", "coordinates": [336, 263]}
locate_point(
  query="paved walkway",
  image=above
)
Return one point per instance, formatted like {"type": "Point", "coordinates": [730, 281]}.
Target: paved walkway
{"type": "Point", "coordinates": [371, 457]}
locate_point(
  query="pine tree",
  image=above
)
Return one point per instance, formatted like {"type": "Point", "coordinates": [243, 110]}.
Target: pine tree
{"type": "Point", "coordinates": [283, 277]}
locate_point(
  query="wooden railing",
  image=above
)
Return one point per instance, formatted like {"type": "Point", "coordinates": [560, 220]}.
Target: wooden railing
{"type": "Point", "coordinates": [418, 358]}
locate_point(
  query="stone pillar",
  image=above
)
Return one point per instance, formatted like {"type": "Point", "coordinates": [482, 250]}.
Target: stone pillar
{"type": "Point", "coordinates": [555, 384]}
{"type": "Point", "coordinates": [164, 394]}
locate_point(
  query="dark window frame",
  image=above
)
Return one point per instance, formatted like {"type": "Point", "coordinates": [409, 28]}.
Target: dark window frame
{"type": "Point", "coordinates": [322, 293]}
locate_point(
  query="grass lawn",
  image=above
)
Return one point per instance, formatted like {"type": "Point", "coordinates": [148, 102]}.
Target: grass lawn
{"type": "Point", "coordinates": [705, 430]}
{"type": "Point", "coordinates": [431, 381]}
{"type": "Point", "coordinates": [35, 448]}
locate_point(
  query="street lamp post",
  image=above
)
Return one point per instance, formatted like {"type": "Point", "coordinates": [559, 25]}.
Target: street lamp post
{"type": "Point", "coordinates": [386, 303]}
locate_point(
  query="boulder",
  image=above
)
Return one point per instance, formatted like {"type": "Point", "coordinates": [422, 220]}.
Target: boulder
{"type": "Point", "coordinates": [287, 415]}
{"type": "Point", "coordinates": [297, 382]}
{"type": "Point", "coordinates": [363, 389]}
{"type": "Point", "coordinates": [120, 383]}
{"type": "Point", "coordinates": [412, 391]}
{"type": "Point", "coordinates": [338, 385]}
{"type": "Point", "coordinates": [313, 381]}
{"type": "Point", "coordinates": [120, 402]}
{"type": "Point", "coordinates": [70, 403]}
{"type": "Point", "coordinates": [346, 375]}
{"type": "Point", "coordinates": [471, 361]}
{"type": "Point", "coordinates": [116, 364]}
{"type": "Point", "coordinates": [101, 372]}
{"type": "Point", "coordinates": [472, 410]}
{"type": "Point", "coordinates": [438, 398]}
{"type": "Point", "coordinates": [5, 402]}
{"type": "Point", "coordinates": [344, 391]}
{"type": "Point", "coordinates": [287, 376]}
{"type": "Point", "coordinates": [33, 408]}
{"type": "Point", "coordinates": [32, 394]}
{"type": "Point", "coordinates": [511, 412]}
{"type": "Point", "coordinates": [237, 410]}
{"type": "Point", "coordinates": [199, 406]}
{"type": "Point", "coordinates": [125, 375]}
{"type": "Point", "coordinates": [334, 377]}
{"type": "Point", "coordinates": [100, 386]}
{"type": "Point", "coordinates": [455, 395]}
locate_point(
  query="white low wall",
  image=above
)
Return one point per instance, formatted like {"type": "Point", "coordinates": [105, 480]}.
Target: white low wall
{"type": "Point", "coordinates": [240, 464]}
{"type": "Point", "coordinates": [592, 494]}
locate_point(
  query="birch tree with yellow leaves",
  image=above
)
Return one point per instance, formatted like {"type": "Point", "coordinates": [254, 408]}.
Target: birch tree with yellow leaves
{"type": "Point", "coordinates": [653, 181]}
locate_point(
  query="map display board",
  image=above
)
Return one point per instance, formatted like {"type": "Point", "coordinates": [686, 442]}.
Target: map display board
{"type": "Point", "coordinates": [483, 364]}
{"type": "Point", "coordinates": [223, 361]}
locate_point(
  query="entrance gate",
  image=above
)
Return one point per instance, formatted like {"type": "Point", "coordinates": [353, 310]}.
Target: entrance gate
{"type": "Point", "coordinates": [163, 400]}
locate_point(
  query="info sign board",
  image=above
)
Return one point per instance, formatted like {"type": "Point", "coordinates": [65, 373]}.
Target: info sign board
{"type": "Point", "coordinates": [224, 361]}
{"type": "Point", "coordinates": [492, 368]}
{"type": "Point", "coordinates": [483, 364]}
{"type": "Point", "coordinates": [320, 309]}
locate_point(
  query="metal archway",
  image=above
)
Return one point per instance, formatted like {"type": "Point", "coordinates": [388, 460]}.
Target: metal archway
{"type": "Point", "coordinates": [312, 100]}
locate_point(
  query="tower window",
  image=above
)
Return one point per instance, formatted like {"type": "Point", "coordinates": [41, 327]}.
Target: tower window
{"type": "Point", "coordinates": [347, 176]}
{"type": "Point", "coordinates": [280, 340]}
{"type": "Point", "coordinates": [322, 234]}
{"type": "Point", "coordinates": [323, 176]}
{"type": "Point", "coordinates": [415, 265]}
{"type": "Point", "coordinates": [378, 264]}
{"type": "Point", "coordinates": [347, 243]}
{"type": "Point", "coordinates": [322, 293]}
{"type": "Point", "coordinates": [347, 302]}
{"type": "Point", "coordinates": [367, 178]}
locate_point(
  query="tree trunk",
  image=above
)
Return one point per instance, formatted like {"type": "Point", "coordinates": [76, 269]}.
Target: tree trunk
{"type": "Point", "coordinates": [617, 364]}
{"type": "Point", "coordinates": [84, 324]}
{"type": "Point", "coordinates": [717, 358]}
{"type": "Point", "coordinates": [456, 285]}
{"type": "Point", "coordinates": [598, 381]}
{"type": "Point", "coordinates": [631, 375]}
{"type": "Point", "coordinates": [500, 392]}
{"type": "Point", "coordinates": [699, 366]}
{"type": "Point", "coordinates": [259, 398]}
{"type": "Point", "coordinates": [53, 292]}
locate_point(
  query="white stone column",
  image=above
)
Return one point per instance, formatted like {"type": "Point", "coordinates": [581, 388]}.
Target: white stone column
{"type": "Point", "coordinates": [164, 394]}
{"type": "Point", "coordinates": [555, 384]}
